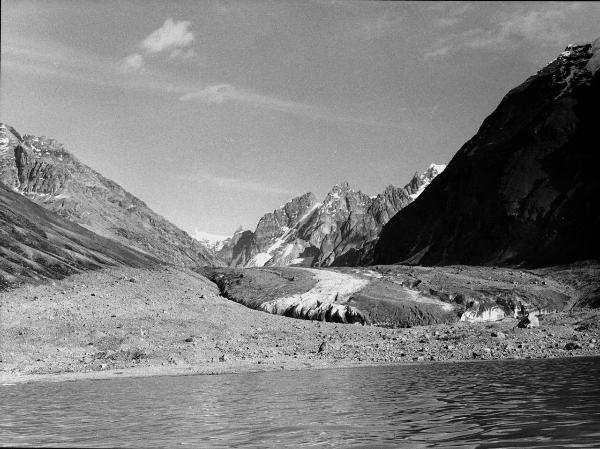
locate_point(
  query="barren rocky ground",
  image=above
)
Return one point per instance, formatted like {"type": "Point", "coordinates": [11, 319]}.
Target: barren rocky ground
{"type": "Point", "coordinates": [131, 321]}
{"type": "Point", "coordinates": [405, 296]}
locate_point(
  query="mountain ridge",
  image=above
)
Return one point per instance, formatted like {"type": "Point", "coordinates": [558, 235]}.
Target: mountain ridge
{"type": "Point", "coordinates": [523, 191]}
{"type": "Point", "coordinates": [308, 232]}
{"type": "Point", "coordinates": [43, 171]}
{"type": "Point", "coordinates": [37, 244]}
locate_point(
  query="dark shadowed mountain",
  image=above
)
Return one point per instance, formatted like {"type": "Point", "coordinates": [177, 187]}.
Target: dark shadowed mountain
{"type": "Point", "coordinates": [43, 171]}
{"type": "Point", "coordinates": [525, 189]}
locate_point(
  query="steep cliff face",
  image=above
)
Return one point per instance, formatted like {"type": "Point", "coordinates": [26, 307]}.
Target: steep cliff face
{"type": "Point", "coordinates": [35, 175]}
{"type": "Point", "coordinates": [524, 190]}
{"type": "Point", "coordinates": [276, 235]}
{"type": "Point", "coordinates": [43, 171]}
{"type": "Point", "coordinates": [336, 231]}
{"type": "Point", "coordinates": [241, 245]}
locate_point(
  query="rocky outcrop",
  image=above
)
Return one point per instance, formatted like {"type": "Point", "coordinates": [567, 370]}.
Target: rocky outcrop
{"type": "Point", "coordinates": [38, 176]}
{"type": "Point", "coordinates": [277, 230]}
{"type": "Point", "coordinates": [238, 251]}
{"type": "Point", "coordinates": [43, 171]}
{"type": "Point", "coordinates": [337, 231]}
{"type": "Point", "coordinates": [525, 190]}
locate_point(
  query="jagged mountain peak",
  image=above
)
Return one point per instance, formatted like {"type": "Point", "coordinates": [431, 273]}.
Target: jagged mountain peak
{"type": "Point", "coordinates": [435, 169]}
{"type": "Point", "coordinates": [420, 181]}
{"type": "Point", "coordinates": [307, 232]}
{"type": "Point", "coordinates": [338, 192]}
{"type": "Point", "coordinates": [343, 186]}
{"type": "Point", "coordinates": [289, 213]}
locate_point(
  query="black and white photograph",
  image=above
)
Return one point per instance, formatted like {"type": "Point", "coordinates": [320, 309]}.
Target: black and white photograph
{"type": "Point", "coordinates": [299, 223]}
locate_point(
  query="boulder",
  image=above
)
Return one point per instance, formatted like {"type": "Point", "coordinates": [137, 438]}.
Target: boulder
{"type": "Point", "coordinates": [529, 321]}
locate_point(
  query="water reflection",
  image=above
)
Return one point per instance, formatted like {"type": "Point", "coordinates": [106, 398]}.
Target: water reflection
{"type": "Point", "coordinates": [491, 404]}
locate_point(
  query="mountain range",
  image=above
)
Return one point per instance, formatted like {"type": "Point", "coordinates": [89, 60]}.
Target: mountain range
{"type": "Point", "coordinates": [523, 191]}
{"type": "Point", "coordinates": [335, 231]}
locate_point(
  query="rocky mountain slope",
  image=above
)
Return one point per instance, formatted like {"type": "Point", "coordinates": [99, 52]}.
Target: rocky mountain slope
{"type": "Point", "coordinates": [525, 189]}
{"type": "Point", "coordinates": [43, 171]}
{"type": "Point", "coordinates": [37, 244]}
{"type": "Point", "coordinates": [307, 232]}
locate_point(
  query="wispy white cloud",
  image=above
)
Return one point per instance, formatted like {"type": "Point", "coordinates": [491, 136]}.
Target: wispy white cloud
{"type": "Point", "coordinates": [223, 93]}
{"type": "Point", "coordinates": [219, 93]}
{"type": "Point", "coordinates": [47, 58]}
{"type": "Point", "coordinates": [172, 35]}
{"type": "Point", "coordinates": [44, 57]}
{"type": "Point", "coordinates": [237, 184]}
{"type": "Point", "coordinates": [132, 62]}
{"type": "Point", "coordinates": [542, 26]}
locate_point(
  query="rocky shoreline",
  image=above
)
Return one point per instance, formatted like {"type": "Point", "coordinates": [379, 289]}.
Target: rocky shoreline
{"type": "Point", "coordinates": [138, 322]}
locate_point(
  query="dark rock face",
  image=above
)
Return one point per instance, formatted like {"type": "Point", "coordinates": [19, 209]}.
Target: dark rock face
{"type": "Point", "coordinates": [238, 250]}
{"type": "Point", "coordinates": [273, 225]}
{"type": "Point", "coordinates": [338, 231]}
{"type": "Point", "coordinates": [43, 171]}
{"type": "Point", "coordinates": [524, 190]}
{"type": "Point", "coordinates": [529, 321]}
{"type": "Point", "coordinates": [37, 176]}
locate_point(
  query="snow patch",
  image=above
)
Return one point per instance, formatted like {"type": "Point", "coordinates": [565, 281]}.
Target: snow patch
{"type": "Point", "coordinates": [262, 258]}
{"type": "Point", "coordinates": [214, 241]}
{"type": "Point", "coordinates": [492, 314]}
{"type": "Point", "coordinates": [259, 260]}
{"type": "Point", "coordinates": [415, 195]}
{"type": "Point", "coordinates": [330, 294]}
{"type": "Point", "coordinates": [426, 178]}
{"type": "Point", "coordinates": [437, 168]}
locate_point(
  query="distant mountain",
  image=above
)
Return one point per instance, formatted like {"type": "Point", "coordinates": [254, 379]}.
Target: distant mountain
{"type": "Point", "coordinates": [335, 231]}
{"type": "Point", "coordinates": [214, 242]}
{"type": "Point", "coordinates": [37, 244]}
{"type": "Point", "coordinates": [236, 250]}
{"type": "Point", "coordinates": [43, 171]}
{"type": "Point", "coordinates": [525, 190]}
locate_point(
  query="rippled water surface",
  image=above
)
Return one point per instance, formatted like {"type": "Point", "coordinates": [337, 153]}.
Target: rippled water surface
{"type": "Point", "coordinates": [488, 404]}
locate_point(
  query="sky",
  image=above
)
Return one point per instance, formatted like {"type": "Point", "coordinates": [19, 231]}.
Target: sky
{"type": "Point", "coordinates": [216, 112]}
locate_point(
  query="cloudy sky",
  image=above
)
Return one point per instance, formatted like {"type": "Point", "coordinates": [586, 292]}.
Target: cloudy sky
{"type": "Point", "coordinates": [217, 112]}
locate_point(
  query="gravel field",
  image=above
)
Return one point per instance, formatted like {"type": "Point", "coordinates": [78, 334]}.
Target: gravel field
{"type": "Point", "coordinates": [140, 322]}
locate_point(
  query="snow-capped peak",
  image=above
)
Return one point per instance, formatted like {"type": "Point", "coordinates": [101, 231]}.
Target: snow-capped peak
{"type": "Point", "coordinates": [213, 241]}
{"type": "Point", "coordinates": [426, 177]}
{"type": "Point", "coordinates": [436, 169]}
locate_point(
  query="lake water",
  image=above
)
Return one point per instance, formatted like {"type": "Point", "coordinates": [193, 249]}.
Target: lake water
{"type": "Point", "coordinates": [546, 403]}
